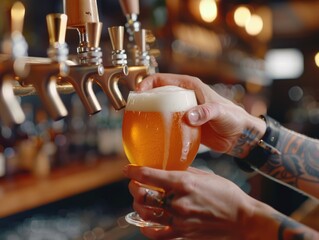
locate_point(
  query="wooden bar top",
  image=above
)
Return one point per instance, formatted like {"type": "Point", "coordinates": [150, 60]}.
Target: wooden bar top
{"type": "Point", "coordinates": [23, 193]}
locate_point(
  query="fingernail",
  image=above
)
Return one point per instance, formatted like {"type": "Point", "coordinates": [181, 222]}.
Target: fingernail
{"type": "Point", "coordinates": [193, 116]}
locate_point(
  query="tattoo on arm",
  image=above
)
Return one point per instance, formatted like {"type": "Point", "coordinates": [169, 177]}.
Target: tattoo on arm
{"type": "Point", "coordinates": [247, 138]}
{"type": "Point", "coordinates": [299, 161]}
{"type": "Point", "coordinates": [298, 164]}
{"type": "Point", "coordinates": [291, 230]}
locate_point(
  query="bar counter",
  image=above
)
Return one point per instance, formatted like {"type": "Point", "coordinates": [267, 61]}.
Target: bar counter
{"type": "Point", "coordinates": [26, 192]}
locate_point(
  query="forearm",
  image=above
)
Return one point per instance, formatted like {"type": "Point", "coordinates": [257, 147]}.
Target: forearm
{"type": "Point", "coordinates": [298, 164]}
{"type": "Point", "coordinates": [266, 223]}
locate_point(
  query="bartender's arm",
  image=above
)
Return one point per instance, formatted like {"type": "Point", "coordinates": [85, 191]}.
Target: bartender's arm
{"type": "Point", "coordinates": [228, 128]}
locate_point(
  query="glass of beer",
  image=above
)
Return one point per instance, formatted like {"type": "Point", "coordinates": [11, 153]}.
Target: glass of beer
{"type": "Point", "coordinates": [156, 135]}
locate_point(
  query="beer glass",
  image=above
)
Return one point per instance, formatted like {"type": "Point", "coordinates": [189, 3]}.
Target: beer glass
{"type": "Point", "coordinates": [156, 135]}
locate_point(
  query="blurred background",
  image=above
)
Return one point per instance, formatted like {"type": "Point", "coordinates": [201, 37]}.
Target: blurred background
{"type": "Point", "coordinates": [263, 55]}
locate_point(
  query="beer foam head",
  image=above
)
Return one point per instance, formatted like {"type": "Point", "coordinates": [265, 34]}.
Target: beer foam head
{"type": "Point", "coordinates": [162, 99]}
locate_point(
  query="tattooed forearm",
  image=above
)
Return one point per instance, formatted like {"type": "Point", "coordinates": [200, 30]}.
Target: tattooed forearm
{"type": "Point", "coordinates": [291, 230]}
{"type": "Point", "coordinates": [298, 164]}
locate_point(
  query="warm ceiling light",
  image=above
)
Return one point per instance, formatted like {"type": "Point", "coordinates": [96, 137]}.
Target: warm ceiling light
{"type": "Point", "coordinates": [241, 16]}
{"type": "Point", "coordinates": [208, 10]}
{"type": "Point", "coordinates": [255, 25]}
{"type": "Point", "coordinates": [317, 59]}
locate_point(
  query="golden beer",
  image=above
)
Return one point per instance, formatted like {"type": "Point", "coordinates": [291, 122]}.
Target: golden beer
{"type": "Point", "coordinates": [154, 131]}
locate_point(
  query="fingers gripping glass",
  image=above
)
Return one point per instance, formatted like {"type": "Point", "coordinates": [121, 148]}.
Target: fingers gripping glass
{"type": "Point", "coordinates": [156, 135]}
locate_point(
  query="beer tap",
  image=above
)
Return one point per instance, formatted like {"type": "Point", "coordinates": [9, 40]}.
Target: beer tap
{"type": "Point", "coordinates": [83, 16]}
{"type": "Point", "coordinates": [141, 63]}
{"type": "Point", "coordinates": [131, 10]}
{"type": "Point", "coordinates": [43, 75]}
{"type": "Point", "coordinates": [14, 47]}
{"type": "Point", "coordinates": [81, 75]}
{"type": "Point", "coordinates": [109, 81]}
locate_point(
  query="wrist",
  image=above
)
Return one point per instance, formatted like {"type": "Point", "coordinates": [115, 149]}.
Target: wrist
{"type": "Point", "coordinates": [263, 222]}
{"type": "Point", "coordinates": [257, 128]}
{"type": "Point", "coordinates": [258, 222]}
{"type": "Point", "coordinates": [261, 147]}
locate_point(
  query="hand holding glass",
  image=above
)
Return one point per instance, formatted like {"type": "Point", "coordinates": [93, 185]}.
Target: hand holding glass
{"type": "Point", "coordinates": [156, 135]}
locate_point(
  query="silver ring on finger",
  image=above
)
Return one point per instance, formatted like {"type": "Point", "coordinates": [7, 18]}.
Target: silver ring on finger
{"type": "Point", "coordinates": [158, 213]}
{"type": "Point", "coordinates": [153, 198]}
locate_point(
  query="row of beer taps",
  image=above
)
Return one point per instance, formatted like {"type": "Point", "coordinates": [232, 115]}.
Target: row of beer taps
{"type": "Point", "coordinates": [57, 74]}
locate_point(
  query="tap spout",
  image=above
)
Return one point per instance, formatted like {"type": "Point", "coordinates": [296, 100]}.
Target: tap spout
{"type": "Point", "coordinates": [82, 78]}
{"type": "Point", "coordinates": [43, 77]}
{"type": "Point", "coordinates": [109, 84]}
{"type": "Point", "coordinates": [9, 105]}
{"type": "Point", "coordinates": [135, 75]}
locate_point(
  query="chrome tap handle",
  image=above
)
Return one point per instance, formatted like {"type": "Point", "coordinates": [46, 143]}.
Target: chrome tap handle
{"type": "Point", "coordinates": [143, 56]}
{"type": "Point", "coordinates": [17, 44]}
{"type": "Point", "coordinates": [94, 30]}
{"type": "Point", "coordinates": [117, 37]}
{"type": "Point", "coordinates": [119, 57]}
{"type": "Point", "coordinates": [58, 50]}
{"type": "Point", "coordinates": [89, 52]}
{"type": "Point", "coordinates": [17, 17]}
{"type": "Point", "coordinates": [140, 40]}
{"type": "Point", "coordinates": [57, 24]}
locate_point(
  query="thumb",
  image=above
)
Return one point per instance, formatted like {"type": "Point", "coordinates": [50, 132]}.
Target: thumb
{"type": "Point", "coordinates": [200, 114]}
